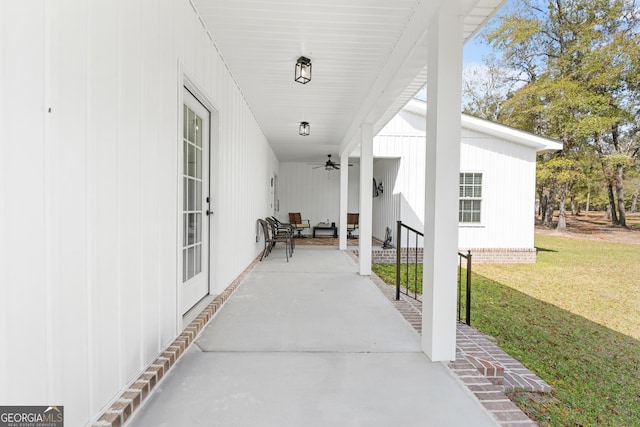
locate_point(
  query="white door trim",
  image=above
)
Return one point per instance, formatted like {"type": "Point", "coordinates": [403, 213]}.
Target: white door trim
{"type": "Point", "coordinates": [187, 81]}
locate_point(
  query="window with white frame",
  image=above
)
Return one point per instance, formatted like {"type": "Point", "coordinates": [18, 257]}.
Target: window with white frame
{"type": "Point", "coordinates": [470, 205]}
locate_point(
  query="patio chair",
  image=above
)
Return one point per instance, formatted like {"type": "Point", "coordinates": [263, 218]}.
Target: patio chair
{"type": "Point", "coordinates": [270, 240]}
{"type": "Point", "coordinates": [299, 224]}
{"type": "Point", "coordinates": [352, 224]}
{"type": "Point", "coordinates": [281, 229]}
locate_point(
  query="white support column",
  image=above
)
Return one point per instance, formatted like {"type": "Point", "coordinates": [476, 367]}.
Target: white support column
{"type": "Point", "coordinates": [444, 64]}
{"type": "Point", "coordinates": [366, 201]}
{"type": "Point", "coordinates": [344, 200]}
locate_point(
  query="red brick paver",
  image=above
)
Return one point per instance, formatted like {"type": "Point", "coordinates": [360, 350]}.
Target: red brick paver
{"type": "Point", "coordinates": [121, 409]}
{"type": "Point", "coordinates": [486, 370]}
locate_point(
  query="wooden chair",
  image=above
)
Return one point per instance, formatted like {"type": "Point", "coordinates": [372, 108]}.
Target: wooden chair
{"type": "Point", "coordinates": [352, 224]}
{"type": "Point", "coordinates": [270, 240]}
{"type": "Point", "coordinates": [299, 224]}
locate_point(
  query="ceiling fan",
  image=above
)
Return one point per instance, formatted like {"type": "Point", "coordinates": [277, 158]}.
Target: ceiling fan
{"type": "Point", "coordinates": [330, 164]}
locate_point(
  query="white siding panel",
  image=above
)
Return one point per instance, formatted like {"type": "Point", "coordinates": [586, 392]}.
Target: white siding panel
{"type": "Point", "coordinates": [167, 169]}
{"type": "Point", "coordinates": [5, 31]}
{"type": "Point", "coordinates": [149, 171]}
{"type": "Point", "coordinates": [315, 192]}
{"type": "Point", "coordinates": [102, 204]}
{"type": "Point", "coordinates": [386, 207]}
{"type": "Point", "coordinates": [22, 237]}
{"type": "Point", "coordinates": [72, 221]}
{"type": "Point", "coordinates": [508, 192]}
{"type": "Point", "coordinates": [102, 307]}
{"type": "Point", "coordinates": [129, 180]}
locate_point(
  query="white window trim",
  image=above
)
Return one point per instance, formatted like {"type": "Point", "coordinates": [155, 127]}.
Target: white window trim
{"type": "Point", "coordinates": [482, 222]}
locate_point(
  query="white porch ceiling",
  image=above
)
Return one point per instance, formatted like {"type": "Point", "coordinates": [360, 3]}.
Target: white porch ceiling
{"type": "Point", "coordinates": [368, 59]}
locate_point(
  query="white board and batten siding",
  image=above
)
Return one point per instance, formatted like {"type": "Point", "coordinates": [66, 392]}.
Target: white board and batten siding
{"type": "Point", "coordinates": [508, 193]}
{"type": "Point", "coordinates": [508, 170]}
{"type": "Point", "coordinates": [386, 207]}
{"type": "Point", "coordinates": [400, 152]}
{"type": "Point", "coordinates": [89, 191]}
{"type": "Point", "coordinates": [314, 191]}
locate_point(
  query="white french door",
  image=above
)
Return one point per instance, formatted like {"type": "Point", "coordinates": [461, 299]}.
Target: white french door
{"type": "Point", "coordinates": [194, 240]}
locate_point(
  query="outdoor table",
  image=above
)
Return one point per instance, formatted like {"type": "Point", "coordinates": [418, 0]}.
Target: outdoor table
{"type": "Point", "coordinates": [326, 226]}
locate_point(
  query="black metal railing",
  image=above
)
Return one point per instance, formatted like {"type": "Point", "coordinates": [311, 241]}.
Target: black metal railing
{"type": "Point", "coordinates": [411, 286]}
{"type": "Point", "coordinates": [409, 265]}
{"type": "Point", "coordinates": [467, 283]}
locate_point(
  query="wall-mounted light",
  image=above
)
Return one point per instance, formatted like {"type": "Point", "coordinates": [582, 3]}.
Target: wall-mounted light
{"type": "Point", "coordinates": [305, 129]}
{"type": "Point", "coordinates": [380, 188]}
{"type": "Point", "coordinates": [303, 70]}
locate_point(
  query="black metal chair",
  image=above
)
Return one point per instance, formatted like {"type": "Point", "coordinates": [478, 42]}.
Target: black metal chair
{"type": "Point", "coordinates": [282, 229]}
{"type": "Point", "coordinates": [270, 240]}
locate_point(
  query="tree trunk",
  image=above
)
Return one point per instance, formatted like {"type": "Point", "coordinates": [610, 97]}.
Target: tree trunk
{"type": "Point", "coordinates": [562, 221]}
{"type": "Point", "coordinates": [544, 201]}
{"type": "Point", "coordinates": [551, 201]}
{"type": "Point", "coordinates": [574, 208]}
{"type": "Point", "coordinates": [634, 202]}
{"type": "Point", "coordinates": [541, 202]}
{"type": "Point", "coordinates": [613, 216]}
{"type": "Point", "coordinates": [622, 220]}
{"type": "Point", "coordinates": [588, 199]}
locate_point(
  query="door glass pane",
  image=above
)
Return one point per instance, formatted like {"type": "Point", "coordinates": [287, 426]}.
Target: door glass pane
{"type": "Point", "coordinates": [191, 205]}
{"type": "Point", "coordinates": [191, 126]}
{"type": "Point", "coordinates": [185, 193]}
{"type": "Point", "coordinates": [198, 206]}
{"type": "Point", "coordinates": [192, 225]}
{"type": "Point", "coordinates": [191, 167]}
{"type": "Point", "coordinates": [191, 263]}
{"type": "Point", "coordinates": [198, 160]}
{"type": "Point", "coordinates": [198, 228]}
{"type": "Point", "coordinates": [198, 131]}
{"type": "Point", "coordinates": [198, 259]}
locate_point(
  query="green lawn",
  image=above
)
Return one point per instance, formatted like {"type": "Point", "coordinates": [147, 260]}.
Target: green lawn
{"type": "Point", "coordinates": [574, 319]}
{"type": "Point", "coordinates": [599, 281]}
{"type": "Point", "coordinates": [387, 272]}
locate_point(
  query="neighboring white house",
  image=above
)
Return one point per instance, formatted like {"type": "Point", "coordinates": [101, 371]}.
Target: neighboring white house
{"type": "Point", "coordinates": [497, 187]}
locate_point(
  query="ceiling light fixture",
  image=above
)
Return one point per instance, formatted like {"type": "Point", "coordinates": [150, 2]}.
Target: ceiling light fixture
{"type": "Point", "coordinates": [303, 70]}
{"type": "Point", "coordinates": [305, 129]}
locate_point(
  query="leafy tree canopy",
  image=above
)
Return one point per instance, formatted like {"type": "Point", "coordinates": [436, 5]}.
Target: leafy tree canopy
{"type": "Point", "coordinates": [571, 69]}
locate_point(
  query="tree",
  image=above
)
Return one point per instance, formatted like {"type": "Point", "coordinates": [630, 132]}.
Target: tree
{"type": "Point", "coordinates": [579, 67]}
{"type": "Point", "coordinates": [485, 88]}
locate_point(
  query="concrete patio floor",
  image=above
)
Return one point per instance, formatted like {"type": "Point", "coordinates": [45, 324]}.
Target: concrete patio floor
{"type": "Point", "coordinates": [309, 343]}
